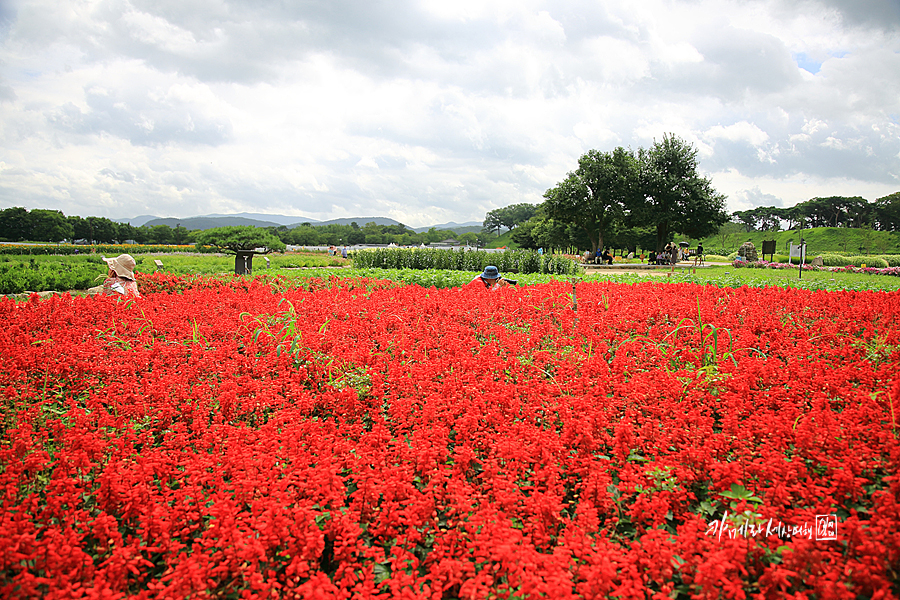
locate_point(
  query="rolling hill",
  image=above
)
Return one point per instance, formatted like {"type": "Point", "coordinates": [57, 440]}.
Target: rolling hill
{"type": "Point", "coordinates": [203, 222]}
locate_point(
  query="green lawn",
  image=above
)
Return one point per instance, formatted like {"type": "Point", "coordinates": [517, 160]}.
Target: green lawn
{"type": "Point", "coordinates": [64, 273]}
{"type": "Point", "coordinates": [821, 240]}
{"type": "Point", "coordinates": [728, 276]}
{"type": "Point", "coordinates": [719, 276]}
{"type": "Point", "coordinates": [37, 273]}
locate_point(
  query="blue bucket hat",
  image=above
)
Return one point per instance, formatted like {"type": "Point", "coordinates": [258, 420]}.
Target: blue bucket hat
{"type": "Point", "coordinates": [490, 272]}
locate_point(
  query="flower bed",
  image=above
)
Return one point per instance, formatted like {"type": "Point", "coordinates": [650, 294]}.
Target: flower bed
{"type": "Point", "coordinates": [361, 439]}
{"type": "Point", "coordinates": [762, 264]}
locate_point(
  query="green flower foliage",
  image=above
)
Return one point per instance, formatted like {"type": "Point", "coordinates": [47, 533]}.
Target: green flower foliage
{"type": "Point", "coordinates": [511, 261]}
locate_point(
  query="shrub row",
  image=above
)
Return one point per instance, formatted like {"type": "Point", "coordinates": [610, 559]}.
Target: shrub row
{"type": "Point", "coordinates": [17, 277]}
{"type": "Point", "coordinates": [881, 262]}
{"type": "Point", "coordinates": [839, 260]}
{"type": "Point", "coordinates": [511, 261]}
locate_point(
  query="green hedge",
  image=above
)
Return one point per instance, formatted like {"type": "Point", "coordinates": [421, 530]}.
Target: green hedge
{"type": "Point", "coordinates": [878, 262]}
{"type": "Point", "coordinates": [840, 260]}
{"type": "Point", "coordinates": [510, 261]}
{"type": "Point", "coordinates": [17, 276]}
{"type": "Point", "coordinates": [893, 260]}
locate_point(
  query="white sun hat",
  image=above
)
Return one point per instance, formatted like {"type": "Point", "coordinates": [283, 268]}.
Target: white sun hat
{"type": "Point", "coordinates": [123, 265]}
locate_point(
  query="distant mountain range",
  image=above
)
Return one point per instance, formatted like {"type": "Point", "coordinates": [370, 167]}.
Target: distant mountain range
{"type": "Point", "coordinates": [263, 220]}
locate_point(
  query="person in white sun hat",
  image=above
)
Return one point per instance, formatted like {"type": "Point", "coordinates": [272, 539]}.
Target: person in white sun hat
{"type": "Point", "coordinates": [120, 280]}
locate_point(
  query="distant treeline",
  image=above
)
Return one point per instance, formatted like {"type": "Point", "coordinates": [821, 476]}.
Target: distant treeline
{"type": "Point", "coordinates": [834, 211]}
{"type": "Point", "coordinates": [40, 225]}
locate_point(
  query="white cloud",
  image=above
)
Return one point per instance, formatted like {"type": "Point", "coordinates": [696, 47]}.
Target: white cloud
{"type": "Point", "coordinates": [739, 132]}
{"type": "Point", "coordinates": [428, 111]}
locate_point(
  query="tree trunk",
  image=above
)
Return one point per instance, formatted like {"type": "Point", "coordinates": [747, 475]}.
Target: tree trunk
{"type": "Point", "coordinates": [662, 234]}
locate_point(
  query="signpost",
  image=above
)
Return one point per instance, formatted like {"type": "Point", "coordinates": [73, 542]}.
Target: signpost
{"type": "Point", "coordinates": [800, 253]}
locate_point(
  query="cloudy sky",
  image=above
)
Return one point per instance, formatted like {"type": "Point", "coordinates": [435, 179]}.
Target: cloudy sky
{"type": "Point", "coordinates": [430, 111]}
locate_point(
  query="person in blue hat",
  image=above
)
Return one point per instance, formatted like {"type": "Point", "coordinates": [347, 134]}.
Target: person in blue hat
{"type": "Point", "coordinates": [490, 279]}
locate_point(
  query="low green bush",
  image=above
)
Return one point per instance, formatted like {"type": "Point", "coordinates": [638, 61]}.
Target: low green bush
{"type": "Point", "coordinates": [893, 260]}
{"type": "Point", "coordinates": [879, 262]}
{"type": "Point", "coordinates": [835, 260]}
{"type": "Point", "coordinates": [715, 252]}
{"type": "Point", "coordinates": [18, 276]}
{"type": "Point", "coordinates": [511, 261]}
{"type": "Point", "coordinates": [869, 261]}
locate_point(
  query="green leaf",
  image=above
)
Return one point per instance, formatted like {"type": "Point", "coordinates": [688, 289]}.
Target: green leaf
{"type": "Point", "coordinates": [382, 572]}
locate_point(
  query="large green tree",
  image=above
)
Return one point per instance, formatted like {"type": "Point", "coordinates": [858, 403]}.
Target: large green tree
{"type": "Point", "coordinates": [887, 212]}
{"type": "Point", "coordinates": [14, 224]}
{"type": "Point", "coordinates": [595, 196]}
{"type": "Point", "coordinates": [240, 238]}
{"type": "Point", "coordinates": [243, 241]}
{"type": "Point", "coordinates": [509, 216]}
{"type": "Point", "coordinates": [180, 235]}
{"type": "Point", "coordinates": [675, 197]}
{"type": "Point", "coordinates": [161, 234]}
{"type": "Point", "coordinates": [49, 226]}
{"type": "Point", "coordinates": [102, 230]}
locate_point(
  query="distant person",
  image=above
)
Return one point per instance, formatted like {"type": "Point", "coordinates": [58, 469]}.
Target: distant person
{"type": "Point", "coordinates": [606, 257]}
{"type": "Point", "coordinates": [490, 279]}
{"type": "Point", "coordinates": [120, 278]}
{"type": "Point", "coordinates": [698, 257]}
{"type": "Point", "coordinates": [344, 252]}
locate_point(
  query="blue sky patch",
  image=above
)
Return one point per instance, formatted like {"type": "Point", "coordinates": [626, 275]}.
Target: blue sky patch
{"type": "Point", "coordinates": [805, 62]}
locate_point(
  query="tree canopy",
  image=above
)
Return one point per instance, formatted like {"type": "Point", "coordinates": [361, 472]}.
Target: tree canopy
{"type": "Point", "coordinates": [596, 195]}
{"type": "Point", "coordinates": [831, 211]}
{"type": "Point", "coordinates": [509, 216]}
{"type": "Point", "coordinates": [240, 238]}
{"type": "Point", "coordinates": [887, 212]}
{"type": "Point", "coordinates": [628, 198]}
{"type": "Point", "coordinates": [675, 197]}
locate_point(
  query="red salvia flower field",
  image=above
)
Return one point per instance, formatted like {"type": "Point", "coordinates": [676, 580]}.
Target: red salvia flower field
{"type": "Point", "coordinates": [356, 439]}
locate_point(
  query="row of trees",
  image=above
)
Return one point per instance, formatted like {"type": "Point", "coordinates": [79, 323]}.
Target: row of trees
{"type": "Point", "coordinates": [834, 211]}
{"type": "Point", "coordinates": [18, 224]}
{"type": "Point", "coordinates": [509, 216]}
{"type": "Point", "coordinates": [370, 233]}
{"type": "Point", "coordinates": [626, 199]}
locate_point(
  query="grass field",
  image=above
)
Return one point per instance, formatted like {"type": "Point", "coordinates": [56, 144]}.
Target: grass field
{"type": "Point", "coordinates": [72, 273]}
{"type": "Point", "coordinates": [728, 276]}
{"type": "Point", "coordinates": [821, 240]}
{"type": "Point", "coordinates": [40, 273]}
